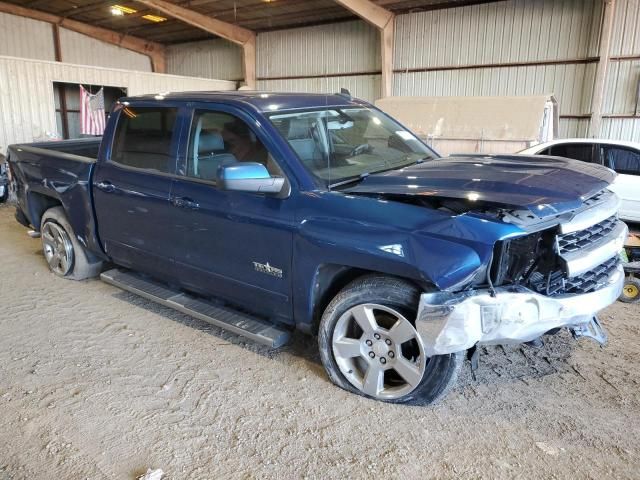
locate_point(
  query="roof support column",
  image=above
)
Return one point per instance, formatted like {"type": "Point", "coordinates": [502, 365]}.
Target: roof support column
{"type": "Point", "coordinates": [384, 21]}
{"type": "Point", "coordinates": [241, 36]}
{"type": "Point", "coordinates": [600, 86]}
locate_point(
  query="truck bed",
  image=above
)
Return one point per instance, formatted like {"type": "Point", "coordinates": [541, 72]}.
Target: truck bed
{"type": "Point", "coordinates": [57, 173]}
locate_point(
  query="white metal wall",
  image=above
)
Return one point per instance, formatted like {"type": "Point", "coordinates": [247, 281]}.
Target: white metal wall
{"type": "Point", "coordinates": [517, 47]}
{"type": "Point", "coordinates": [321, 59]}
{"type": "Point", "coordinates": [23, 37]}
{"type": "Point", "coordinates": [207, 59]}
{"type": "Point", "coordinates": [621, 109]}
{"type": "Point", "coordinates": [26, 38]}
{"type": "Point", "coordinates": [83, 50]}
{"type": "Point", "coordinates": [27, 108]}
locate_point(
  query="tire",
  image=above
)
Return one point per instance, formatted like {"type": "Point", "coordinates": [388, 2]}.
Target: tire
{"type": "Point", "coordinates": [630, 290]}
{"type": "Point", "coordinates": [350, 353]}
{"type": "Point", "coordinates": [65, 255]}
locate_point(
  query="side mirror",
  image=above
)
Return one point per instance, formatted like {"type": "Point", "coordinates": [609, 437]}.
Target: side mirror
{"type": "Point", "coordinates": [248, 177]}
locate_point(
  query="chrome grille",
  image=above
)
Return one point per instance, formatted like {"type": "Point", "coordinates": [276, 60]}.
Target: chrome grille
{"type": "Point", "coordinates": [556, 282]}
{"type": "Point", "coordinates": [571, 242]}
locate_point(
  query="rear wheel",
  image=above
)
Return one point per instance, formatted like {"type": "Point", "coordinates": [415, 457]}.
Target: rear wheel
{"type": "Point", "coordinates": [630, 290]}
{"type": "Point", "coordinates": [369, 344]}
{"type": "Point", "coordinates": [62, 250]}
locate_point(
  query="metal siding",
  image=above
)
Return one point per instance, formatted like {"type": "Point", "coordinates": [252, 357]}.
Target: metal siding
{"type": "Point", "coordinates": [366, 87]}
{"type": "Point", "coordinates": [623, 82]}
{"type": "Point", "coordinates": [502, 32]}
{"type": "Point", "coordinates": [621, 129]}
{"type": "Point", "coordinates": [83, 50]}
{"type": "Point", "coordinates": [27, 105]}
{"type": "Point", "coordinates": [626, 28]}
{"type": "Point", "coordinates": [217, 59]}
{"type": "Point", "coordinates": [23, 37]}
{"type": "Point", "coordinates": [564, 81]}
{"type": "Point", "coordinates": [347, 47]}
{"type": "Point", "coordinates": [573, 127]}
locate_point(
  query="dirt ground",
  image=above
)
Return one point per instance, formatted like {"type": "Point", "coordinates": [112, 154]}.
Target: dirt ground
{"type": "Point", "coordinates": [97, 383]}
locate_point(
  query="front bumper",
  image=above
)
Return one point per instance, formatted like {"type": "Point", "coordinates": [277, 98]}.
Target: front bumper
{"type": "Point", "coordinates": [453, 322]}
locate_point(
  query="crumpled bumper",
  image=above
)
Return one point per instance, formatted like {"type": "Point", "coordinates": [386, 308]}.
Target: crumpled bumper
{"type": "Point", "coordinates": [449, 322]}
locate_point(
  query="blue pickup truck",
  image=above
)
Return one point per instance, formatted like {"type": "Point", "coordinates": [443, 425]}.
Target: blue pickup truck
{"type": "Point", "coordinates": [264, 212]}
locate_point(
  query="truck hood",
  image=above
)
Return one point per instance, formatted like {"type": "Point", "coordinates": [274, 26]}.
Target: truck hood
{"type": "Point", "coordinates": [544, 185]}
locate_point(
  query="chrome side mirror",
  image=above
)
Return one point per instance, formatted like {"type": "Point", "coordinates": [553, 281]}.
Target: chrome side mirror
{"type": "Point", "coordinates": [248, 177]}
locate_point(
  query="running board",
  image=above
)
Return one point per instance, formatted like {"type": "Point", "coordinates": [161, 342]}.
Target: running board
{"type": "Point", "coordinates": [257, 330]}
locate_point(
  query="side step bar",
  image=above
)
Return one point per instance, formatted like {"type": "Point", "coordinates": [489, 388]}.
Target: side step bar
{"type": "Point", "coordinates": [257, 330]}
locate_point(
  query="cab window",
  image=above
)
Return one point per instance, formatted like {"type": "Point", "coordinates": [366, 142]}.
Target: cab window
{"type": "Point", "coordinates": [143, 139]}
{"type": "Point", "coordinates": [217, 139]}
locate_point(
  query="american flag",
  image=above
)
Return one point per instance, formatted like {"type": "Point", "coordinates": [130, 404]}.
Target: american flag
{"type": "Point", "coordinates": [92, 114]}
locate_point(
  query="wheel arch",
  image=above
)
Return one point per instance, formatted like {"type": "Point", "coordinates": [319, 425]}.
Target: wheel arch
{"type": "Point", "coordinates": [330, 278]}
{"type": "Point", "coordinates": [37, 204]}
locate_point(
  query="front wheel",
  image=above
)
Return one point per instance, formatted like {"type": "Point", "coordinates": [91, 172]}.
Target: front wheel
{"type": "Point", "coordinates": [630, 290]}
{"type": "Point", "coordinates": [62, 250]}
{"type": "Point", "coordinates": [369, 344]}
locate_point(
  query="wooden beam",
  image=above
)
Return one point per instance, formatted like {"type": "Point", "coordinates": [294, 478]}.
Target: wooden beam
{"type": "Point", "coordinates": [368, 11]}
{"type": "Point", "coordinates": [234, 33]}
{"type": "Point", "coordinates": [156, 51]}
{"type": "Point", "coordinates": [600, 85]}
{"type": "Point", "coordinates": [384, 21]}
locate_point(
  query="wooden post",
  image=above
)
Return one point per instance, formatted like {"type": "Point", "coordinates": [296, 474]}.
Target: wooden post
{"type": "Point", "coordinates": [600, 85]}
{"type": "Point", "coordinates": [384, 21]}
{"type": "Point", "coordinates": [234, 33]}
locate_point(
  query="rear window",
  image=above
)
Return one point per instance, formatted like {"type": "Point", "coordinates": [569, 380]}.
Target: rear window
{"type": "Point", "coordinates": [143, 139]}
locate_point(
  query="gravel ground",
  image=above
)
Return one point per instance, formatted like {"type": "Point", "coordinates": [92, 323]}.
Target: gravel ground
{"type": "Point", "coordinates": [97, 383]}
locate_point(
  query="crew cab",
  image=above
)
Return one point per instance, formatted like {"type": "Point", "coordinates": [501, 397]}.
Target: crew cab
{"type": "Point", "coordinates": [263, 213]}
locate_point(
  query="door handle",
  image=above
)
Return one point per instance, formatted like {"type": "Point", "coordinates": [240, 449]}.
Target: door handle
{"type": "Point", "coordinates": [184, 202]}
{"type": "Point", "coordinates": [106, 186]}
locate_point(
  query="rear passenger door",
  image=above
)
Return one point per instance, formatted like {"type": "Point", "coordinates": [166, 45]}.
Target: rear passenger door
{"type": "Point", "coordinates": [132, 188]}
{"type": "Point", "coordinates": [626, 162]}
{"type": "Point", "coordinates": [229, 244]}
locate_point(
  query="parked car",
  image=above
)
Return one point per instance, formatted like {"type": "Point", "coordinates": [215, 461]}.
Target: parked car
{"type": "Point", "coordinates": [4, 182]}
{"type": "Point", "coordinates": [623, 157]}
{"type": "Point", "coordinates": [262, 213]}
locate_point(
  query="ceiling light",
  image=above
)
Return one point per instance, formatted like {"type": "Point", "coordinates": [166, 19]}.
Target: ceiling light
{"type": "Point", "coordinates": [120, 10]}
{"type": "Point", "coordinates": [154, 18]}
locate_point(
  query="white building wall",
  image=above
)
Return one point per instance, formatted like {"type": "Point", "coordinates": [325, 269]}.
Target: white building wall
{"type": "Point", "coordinates": [208, 59]}
{"type": "Point", "coordinates": [80, 49]}
{"type": "Point", "coordinates": [26, 38]}
{"type": "Point", "coordinates": [23, 37]}
{"type": "Point", "coordinates": [27, 108]}
{"type": "Point", "coordinates": [321, 59]}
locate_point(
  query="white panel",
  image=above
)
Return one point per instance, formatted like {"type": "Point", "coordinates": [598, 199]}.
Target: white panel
{"type": "Point", "coordinates": [564, 81]}
{"type": "Point", "coordinates": [366, 87]}
{"type": "Point", "coordinates": [623, 82]}
{"type": "Point", "coordinates": [80, 49]}
{"type": "Point", "coordinates": [346, 47]}
{"type": "Point", "coordinates": [27, 105]}
{"type": "Point", "coordinates": [502, 32]}
{"type": "Point", "coordinates": [23, 37]}
{"type": "Point", "coordinates": [621, 129]}
{"type": "Point", "coordinates": [209, 59]}
{"type": "Point", "coordinates": [626, 28]}
{"type": "Point", "coordinates": [573, 127]}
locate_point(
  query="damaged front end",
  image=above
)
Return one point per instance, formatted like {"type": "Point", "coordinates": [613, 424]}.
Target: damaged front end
{"type": "Point", "coordinates": [558, 274]}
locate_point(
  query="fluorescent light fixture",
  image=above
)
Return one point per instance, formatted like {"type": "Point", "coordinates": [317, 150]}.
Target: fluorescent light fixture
{"type": "Point", "coordinates": [121, 10]}
{"type": "Point", "coordinates": [154, 18]}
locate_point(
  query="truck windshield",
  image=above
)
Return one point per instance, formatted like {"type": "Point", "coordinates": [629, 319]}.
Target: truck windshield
{"type": "Point", "coordinates": [339, 144]}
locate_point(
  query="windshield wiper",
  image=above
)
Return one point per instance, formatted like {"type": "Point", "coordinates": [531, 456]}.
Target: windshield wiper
{"type": "Point", "coordinates": [357, 179]}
